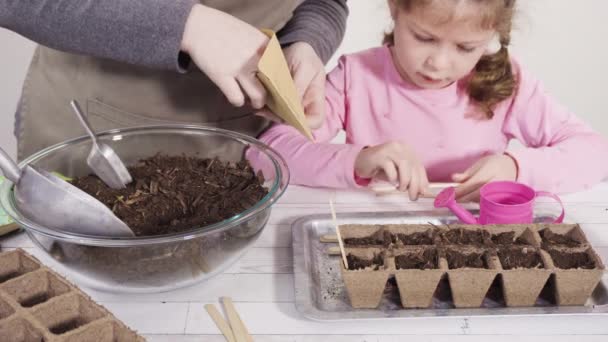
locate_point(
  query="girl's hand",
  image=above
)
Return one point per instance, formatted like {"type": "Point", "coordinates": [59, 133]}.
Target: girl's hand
{"type": "Point", "coordinates": [227, 50]}
{"type": "Point", "coordinates": [396, 163]}
{"type": "Point", "coordinates": [491, 168]}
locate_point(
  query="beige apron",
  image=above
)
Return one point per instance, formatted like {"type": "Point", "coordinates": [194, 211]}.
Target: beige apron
{"type": "Point", "coordinates": [119, 95]}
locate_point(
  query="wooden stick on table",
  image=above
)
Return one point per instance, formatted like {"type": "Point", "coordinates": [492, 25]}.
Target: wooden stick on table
{"type": "Point", "coordinates": [328, 238]}
{"type": "Point", "coordinates": [340, 243]}
{"type": "Point", "coordinates": [220, 322]}
{"type": "Point", "coordinates": [334, 250]}
{"type": "Point", "coordinates": [238, 327]}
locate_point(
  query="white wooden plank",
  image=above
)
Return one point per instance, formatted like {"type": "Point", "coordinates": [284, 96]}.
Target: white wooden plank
{"type": "Point", "coordinates": [259, 288]}
{"type": "Point", "coordinates": [587, 213]}
{"type": "Point", "coordinates": [275, 235]}
{"type": "Point", "coordinates": [596, 233]}
{"type": "Point", "coordinates": [597, 194]}
{"type": "Point", "coordinates": [283, 319]}
{"type": "Point", "coordinates": [286, 215]}
{"type": "Point", "coordinates": [588, 324]}
{"type": "Point", "coordinates": [151, 318]}
{"type": "Point", "coordinates": [264, 260]}
{"type": "Point", "coordinates": [301, 194]}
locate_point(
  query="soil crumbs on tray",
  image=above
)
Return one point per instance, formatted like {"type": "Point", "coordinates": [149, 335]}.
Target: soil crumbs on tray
{"type": "Point", "coordinates": [170, 194]}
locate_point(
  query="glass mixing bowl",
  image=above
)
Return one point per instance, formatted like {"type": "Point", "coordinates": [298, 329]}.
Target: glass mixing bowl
{"type": "Point", "coordinates": [155, 263]}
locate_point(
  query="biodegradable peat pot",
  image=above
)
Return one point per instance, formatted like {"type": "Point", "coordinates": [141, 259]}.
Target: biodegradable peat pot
{"type": "Point", "coordinates": [36, 304]}
{"type": "Point", "coordinates": [418, 272]}
{"type": "Point", "coordinates": [366, 283]}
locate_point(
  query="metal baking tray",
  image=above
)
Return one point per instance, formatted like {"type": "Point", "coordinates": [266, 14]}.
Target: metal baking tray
{"type": "Point", "coordinates": [321, 295]}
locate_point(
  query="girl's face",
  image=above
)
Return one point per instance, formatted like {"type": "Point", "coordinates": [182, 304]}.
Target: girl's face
{"type": "Point", "coordinates": [438, 44]}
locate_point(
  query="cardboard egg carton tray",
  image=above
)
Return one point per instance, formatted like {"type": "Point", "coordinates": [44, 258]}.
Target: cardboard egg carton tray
{"type": "Point", "coordinates": [523, 257]}
{"type": "Point", "coordinates": [36, 304]}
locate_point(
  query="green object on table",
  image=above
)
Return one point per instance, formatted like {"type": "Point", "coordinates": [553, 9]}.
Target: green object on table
{"type": "Point", "coordinates": [4, 218]}
{"type": "Point", "coordinates": [6, 223]}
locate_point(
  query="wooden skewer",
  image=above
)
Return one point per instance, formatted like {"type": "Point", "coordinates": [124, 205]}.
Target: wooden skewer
{"type": "Point", "coordinates": [389, 189]}
{"type": "Point", "coordinates": [328, 238]}
{"type": "Point", "coordinates": [334, 250]}
{"type": "Point", "coordinates": [335, 221]}
{"type": "Point", "coordinates": [238, 327]}
{"type": "Point", "coordinates": [220, 322]}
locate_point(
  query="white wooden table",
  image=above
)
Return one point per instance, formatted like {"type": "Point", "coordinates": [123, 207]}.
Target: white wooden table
{"type": "Point", "coordinates": [261, 285]}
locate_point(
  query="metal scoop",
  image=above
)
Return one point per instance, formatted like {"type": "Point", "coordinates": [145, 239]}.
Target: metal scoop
{"type": "Point", "coordinates": [54, 203]}
{"type": "Point", "coordinates": [102, 159]}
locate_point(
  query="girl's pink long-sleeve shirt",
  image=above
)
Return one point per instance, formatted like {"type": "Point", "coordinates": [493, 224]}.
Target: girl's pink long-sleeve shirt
{"type": "Point", "coordinates": [366, 97]}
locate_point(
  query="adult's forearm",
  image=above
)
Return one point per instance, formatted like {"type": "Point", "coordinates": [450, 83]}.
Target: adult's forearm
{"type": "Point", "coordinates": [321, 23]}
{"type": "Point", "coordinates": [142, 32]}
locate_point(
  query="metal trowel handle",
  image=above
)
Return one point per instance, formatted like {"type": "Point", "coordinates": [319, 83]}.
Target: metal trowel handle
{"type": "Point", "coordinates": [9, 167]}
{"type": "Point", "coordinates": [84, 121]}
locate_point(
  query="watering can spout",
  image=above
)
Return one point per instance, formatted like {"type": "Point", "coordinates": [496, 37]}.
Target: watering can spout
{"type": "Point", "coordinates": [447, 199]}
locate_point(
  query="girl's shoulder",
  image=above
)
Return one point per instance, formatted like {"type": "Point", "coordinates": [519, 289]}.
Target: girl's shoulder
{"type": "Point", "coordinates": [365, 64]}
{"type": "Point", "coordinates": [374, 58]}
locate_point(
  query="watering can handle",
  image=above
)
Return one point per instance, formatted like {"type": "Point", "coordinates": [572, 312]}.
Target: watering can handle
{"type": "Point", "coordinates": [9, 167]}
{"type": "Point", "coordinates": [560, 219]}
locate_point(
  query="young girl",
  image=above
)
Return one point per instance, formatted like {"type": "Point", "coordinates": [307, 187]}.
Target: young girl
{"type": "Point", "coordinates": [440, 102]}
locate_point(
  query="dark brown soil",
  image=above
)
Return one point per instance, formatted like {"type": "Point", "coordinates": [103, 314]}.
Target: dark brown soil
{"type": "Point", "coordinates": [379, 238]}
{"type": "Point", "coordinates": [457, 259]}
{"type": "Point", "coordinates": [508, 238]}
{"type": "Point", "coordinates": [569, 260]}
{"type": "Point", "coordinates": [357, 263]}
{"type": "Point", "coordinates": [512, 258]}
{"type": "Point", "coordinates": [466, 237]}
{"type": "Point", "coordinates": [549, 238]}
{"type": "Point", "coordinates": [420, 238]}
{"type": "Point", "coordinates": [422, 260]}
{"type": "Point", "coordinates": [177, 193]}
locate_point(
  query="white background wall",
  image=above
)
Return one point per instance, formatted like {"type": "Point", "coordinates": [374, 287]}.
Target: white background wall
{"type": "Point", "coordinates": [564, 42]}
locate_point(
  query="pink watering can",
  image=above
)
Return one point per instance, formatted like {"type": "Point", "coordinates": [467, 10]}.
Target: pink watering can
{"type": "Point", "coordinates": [500, 202]}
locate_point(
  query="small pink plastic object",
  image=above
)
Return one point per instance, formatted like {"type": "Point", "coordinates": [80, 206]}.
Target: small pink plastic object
{"type": "Point", "coordinates": [501, 202]}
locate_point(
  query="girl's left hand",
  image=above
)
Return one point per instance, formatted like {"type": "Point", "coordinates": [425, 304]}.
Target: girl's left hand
{"type": "Point", "coordinates": [308, 74]}
{"type": "Point", "coordinates": [491, 168]}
